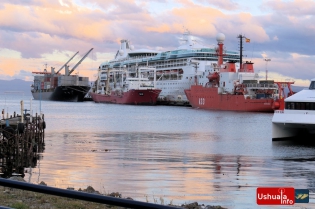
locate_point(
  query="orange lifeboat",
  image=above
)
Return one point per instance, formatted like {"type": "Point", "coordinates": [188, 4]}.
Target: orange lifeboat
{"type": "Point", "coordinates": [213, 76]}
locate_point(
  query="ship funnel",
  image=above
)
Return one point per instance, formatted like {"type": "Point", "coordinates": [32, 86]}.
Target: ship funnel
{"type": "Point", "coordinates": [247, 67]}
{"type": "Point", "coordinates": [124, 44]}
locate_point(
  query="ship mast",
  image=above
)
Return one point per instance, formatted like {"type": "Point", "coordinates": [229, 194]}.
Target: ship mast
{"type": "Point", "coordinates": [241, 50]}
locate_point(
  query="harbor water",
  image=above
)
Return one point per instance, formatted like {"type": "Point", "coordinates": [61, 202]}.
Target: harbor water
{"type": "Point", "coordinates": [166, 154]}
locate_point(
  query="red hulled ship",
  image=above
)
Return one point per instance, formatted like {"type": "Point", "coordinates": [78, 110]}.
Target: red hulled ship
{"type": "Point", "coordinates": [113, 86]}
{"type": "Point", "coordinates": [229, 89]}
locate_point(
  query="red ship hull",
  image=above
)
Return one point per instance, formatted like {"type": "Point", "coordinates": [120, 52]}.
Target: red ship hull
{"type": "Point", "coordinates": [133, 97]}
{"type": "Point", "coordinates": [208, 98]}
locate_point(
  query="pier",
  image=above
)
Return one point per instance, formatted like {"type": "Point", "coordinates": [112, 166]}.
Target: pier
{"type": "Point", "coordinates": [21, 138]}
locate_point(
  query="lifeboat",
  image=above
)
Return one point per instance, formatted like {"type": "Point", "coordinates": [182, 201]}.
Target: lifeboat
{"type": "Point", "coordinates": [213, 77]}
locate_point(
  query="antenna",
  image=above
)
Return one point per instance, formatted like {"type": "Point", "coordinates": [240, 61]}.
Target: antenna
{"type": "Point", "coordinates": [267, 60]}
{"type": "Point", "coordinates": [45, 70]}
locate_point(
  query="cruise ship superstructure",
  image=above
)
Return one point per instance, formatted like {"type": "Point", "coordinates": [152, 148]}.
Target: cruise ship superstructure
{"type": "Point", "coordinates": [176, 70]}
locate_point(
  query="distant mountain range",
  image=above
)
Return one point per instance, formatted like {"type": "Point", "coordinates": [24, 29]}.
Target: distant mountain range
{"type": "Point", "coordinates": [25, 86]}
{"type": "Point", "coordinates": [16, 85]}
{"type": "Point", "coordinates": [298, 88]}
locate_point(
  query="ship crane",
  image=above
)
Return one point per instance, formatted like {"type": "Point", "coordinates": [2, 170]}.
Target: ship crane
{"type": "Point", "coordinates": [80, 61]}
{"type": "Point", "coordinates": [67, 63]}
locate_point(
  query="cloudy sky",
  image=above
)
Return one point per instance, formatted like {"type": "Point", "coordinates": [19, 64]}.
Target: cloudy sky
{"type": "Point", "coordinates": [38, 32]}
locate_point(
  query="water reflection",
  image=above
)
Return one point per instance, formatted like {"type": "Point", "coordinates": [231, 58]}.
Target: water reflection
{"type": "Point", "coordinates": [178, 154]}
{"type": "Point", "coordinates": [14, 164]}
{"type": "Point", "coordinates": [177, 167]}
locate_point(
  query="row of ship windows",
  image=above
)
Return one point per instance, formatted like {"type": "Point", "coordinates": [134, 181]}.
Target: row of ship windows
{"type": "Point", "coordinates": [173, 83]}
{"type": "Point", "coordinates": [300, 105]}
{"type": "Point", "coordinates": [179, 62]}
{"type": "Point", "coordinates": [168, 88]}
{"type": "Point", "coordinates": [165, 92]}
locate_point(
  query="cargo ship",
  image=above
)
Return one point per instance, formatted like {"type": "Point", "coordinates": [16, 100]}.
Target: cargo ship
{"type": "Point", "coordinates": [236, 90]}
{"type": "Point", "coordinates": [54, 86]}
{"type": "Point", "coordinates": [115, 86]}
{"type": "Point", "coordinates": [297, 117]}
{"type": "Point", "coordinates": [175, 69]}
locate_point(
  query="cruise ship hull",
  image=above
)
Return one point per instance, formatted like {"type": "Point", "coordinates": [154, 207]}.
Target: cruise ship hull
{"type": "Point", "coordinates": [62, 93]}
{"type": "Point", "coordinates": [209, 98]}
{"type": "Point", "coordinates": [132, 97]}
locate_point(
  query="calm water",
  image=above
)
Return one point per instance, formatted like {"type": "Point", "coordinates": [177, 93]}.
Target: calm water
{"type": "Point", "coordinates": [166, 154]}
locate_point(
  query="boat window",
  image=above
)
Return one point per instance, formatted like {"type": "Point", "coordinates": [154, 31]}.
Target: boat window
{"type": "Point", "coordinates": [300, 105]}
{"type": "Point", "coordinates": [312, 85]}
{"type": "Point", "coordinates": [289, 105]}
{"type": "Point", "coordinates": [307, 106]}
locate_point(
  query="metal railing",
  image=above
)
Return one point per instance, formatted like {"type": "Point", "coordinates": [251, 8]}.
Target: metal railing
{"type": "Point", "coordinates": [81, 195]}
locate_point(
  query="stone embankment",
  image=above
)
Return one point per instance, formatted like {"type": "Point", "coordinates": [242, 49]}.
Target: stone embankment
{"type": "Point", "coordinates": [21, 199]}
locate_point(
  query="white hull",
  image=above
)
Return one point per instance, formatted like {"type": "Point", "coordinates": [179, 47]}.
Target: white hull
{"type": "Point", "coordinates": [292, 123]}
{"type": "Point", "coordinates": [173, 90]}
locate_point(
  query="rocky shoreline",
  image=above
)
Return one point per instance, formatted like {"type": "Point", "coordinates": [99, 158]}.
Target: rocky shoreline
{"type": "Point", "coordinates": [20, 199]}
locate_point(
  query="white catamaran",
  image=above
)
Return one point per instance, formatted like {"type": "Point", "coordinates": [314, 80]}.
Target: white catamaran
{"type": "Point", "coordinates": [298, 116]}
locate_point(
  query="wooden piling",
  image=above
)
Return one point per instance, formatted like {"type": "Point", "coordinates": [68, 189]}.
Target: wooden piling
{"type": "Point", "coordinates": [21, 139]}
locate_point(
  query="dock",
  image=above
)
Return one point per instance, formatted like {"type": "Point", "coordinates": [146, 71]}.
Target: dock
{"type": "Point", "coordinates": [21, 138]}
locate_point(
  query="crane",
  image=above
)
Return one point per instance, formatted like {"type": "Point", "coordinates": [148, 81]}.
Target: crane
{"type": "Point", "coordinates": [80, 61]}
{"type": "Point", "coordinates": [67, 63]}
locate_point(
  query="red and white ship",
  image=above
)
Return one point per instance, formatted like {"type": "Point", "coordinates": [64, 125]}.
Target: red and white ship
{"type": "Point", "coordinates": [114, 86]}
{"type": "Point", "coordinates": [229, 89]}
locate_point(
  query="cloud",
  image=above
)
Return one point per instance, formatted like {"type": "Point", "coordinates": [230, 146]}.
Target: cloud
{"type": "Point", "coordinates": [284, 78]}
{"type": "Point", "coordinates": [35, 32]}
{"type": "Point", "coordinates": [222, 4]}
{"type": "Point", "coordinates": [297, 8]}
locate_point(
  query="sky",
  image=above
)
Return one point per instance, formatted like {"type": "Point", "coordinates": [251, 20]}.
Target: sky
{"type": "Point", "coordinates": [34, 33]}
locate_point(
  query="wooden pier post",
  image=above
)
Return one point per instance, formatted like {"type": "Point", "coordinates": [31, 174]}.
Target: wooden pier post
{"type": "Point", "coordinates": [20, 139]}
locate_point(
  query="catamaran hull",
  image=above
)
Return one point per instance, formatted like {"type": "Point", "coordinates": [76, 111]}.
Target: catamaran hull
{"type": "Point", "coordinates": [132, 97]}
{"type": "Point", "coordinates": [209, 99]}
{"type": "Point", "coordinates": [63, 93]}
{"type": "Point", "coordinates": [286, 125]}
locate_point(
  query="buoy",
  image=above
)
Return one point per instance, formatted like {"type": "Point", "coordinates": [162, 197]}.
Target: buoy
{"type": "Point", "coordinates": [276, 105]}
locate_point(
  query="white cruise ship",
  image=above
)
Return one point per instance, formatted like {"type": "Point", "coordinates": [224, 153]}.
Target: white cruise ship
{"type": "Point", "coordinates": [298, 116]}
{"type": "Point", "coordinates": [176, 70]}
